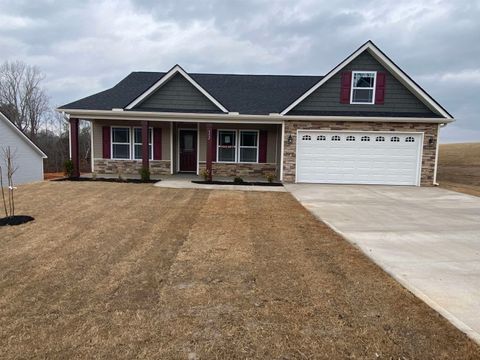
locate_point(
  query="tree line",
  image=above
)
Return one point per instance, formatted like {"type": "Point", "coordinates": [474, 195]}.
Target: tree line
{"type": "Point", "coordinates": [25, 102]}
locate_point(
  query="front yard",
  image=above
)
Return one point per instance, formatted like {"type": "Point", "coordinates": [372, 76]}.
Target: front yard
{"type": "Point", "coordinates": [126, 270]}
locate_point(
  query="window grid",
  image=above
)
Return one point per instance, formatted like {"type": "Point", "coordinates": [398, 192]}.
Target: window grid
{"type": "Point", "coordinates": [379, 138]}
{"type": "Point", "coordinates": [365, 138]}
{"type": "Point", "coordinates": [409, 139]}
{"type": "Point", "coordinates": [395, 139]}
{"type": "Point", "coordinates": [256, 132]}
{"type": "Point", "coordinates": [321, 137]}
{"type": "Point", "coordinates": [306, 137]}
{"type": "Point", "coordinates": [115, 145]}
{"type": "Point", "coordinates": [138, 154]}
{"type": "Point", "coordinates": [336, 138]}
{"type": "Point", "coordinates": [350, 138]}
{"type": "Point", "coordinates": [371, 89]}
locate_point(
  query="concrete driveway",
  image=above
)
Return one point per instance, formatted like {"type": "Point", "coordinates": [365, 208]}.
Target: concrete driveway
{"type": "Point", "coordinates": [426, 238]}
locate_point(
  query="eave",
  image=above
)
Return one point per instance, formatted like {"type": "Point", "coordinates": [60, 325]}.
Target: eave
{"type": "Point", "coordinates": [233, 117]}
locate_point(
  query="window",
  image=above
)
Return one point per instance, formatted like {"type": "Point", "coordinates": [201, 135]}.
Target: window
{"type": "Point", "coordinates": [379, 138]}
{"type": "Point", "coordinates": [306, 137]}
{"type": "Point", "coordinates": [248, 146]}
{"type": "Point", "coordinates": [137, 143]}
{"type": "Point", "coordinates": [394, 139]}
{"type": "Point", "coordinates": [335, 138]}
{"type": "Point", "coordinates": [321, 137]}
{"type": "Point", "coordinates": [350, 138]}
{"type": "Point", "coordinates": [120, 143]}
{"type": "Point", "coordinates": [409, 139]}
{"type": "Point", "coordinates": [365, 138]}
{"type": "Point", "coordinates": [227, 145]}
{"type": "Point", "coordinates": [363, 87]}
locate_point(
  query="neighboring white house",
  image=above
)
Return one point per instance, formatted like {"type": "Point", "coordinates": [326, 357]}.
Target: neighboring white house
{"type": "Point", "coordinates": [28, 158]}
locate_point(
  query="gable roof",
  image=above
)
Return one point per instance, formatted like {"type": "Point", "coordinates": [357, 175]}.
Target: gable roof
{"type": "Point", "coordinates": [177, 69]}
{"type": "Point", "coordinates": [389, 65]}
{"type": "Point", "coordinates": [245, 94]}
{"type": "Point", "coordinates": [22, 135]}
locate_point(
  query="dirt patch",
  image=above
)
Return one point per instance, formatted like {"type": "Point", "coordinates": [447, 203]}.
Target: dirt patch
{"type": "Point", "coordinates": [459, 167]}
{"type": "Point", "coordinates": [136, 271]}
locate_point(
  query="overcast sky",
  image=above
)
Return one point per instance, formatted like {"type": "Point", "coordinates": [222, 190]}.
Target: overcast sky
{"type": "Point", "coordinates": [87, 46]}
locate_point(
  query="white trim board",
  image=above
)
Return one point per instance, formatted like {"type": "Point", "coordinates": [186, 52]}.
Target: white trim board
{"type": "Point", "coordinates": [177, 69]}
{"type": "Point", "coordinates": [23, 136]}
{"type": "Point", "coordinates": [389, 65]}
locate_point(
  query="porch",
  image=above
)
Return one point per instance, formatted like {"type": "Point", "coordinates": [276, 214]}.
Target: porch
{"type": "Point", "coordinates": [222, 149]}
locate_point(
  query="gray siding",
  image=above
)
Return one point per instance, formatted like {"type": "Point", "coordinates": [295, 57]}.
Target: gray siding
{"type": "Point", "coordinates": [178, 94]}
{"type": "Point", "coordinates": [398, 99]}
{"type": "Point", "coordinates": [28, 161]}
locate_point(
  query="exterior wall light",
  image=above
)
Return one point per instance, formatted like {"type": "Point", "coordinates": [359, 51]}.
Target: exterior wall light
{"type": "Point", "coordinates": [290, 139]}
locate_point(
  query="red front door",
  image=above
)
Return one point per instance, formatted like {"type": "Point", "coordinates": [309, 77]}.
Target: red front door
{"type": "Point", "coordinates": [188, 150]}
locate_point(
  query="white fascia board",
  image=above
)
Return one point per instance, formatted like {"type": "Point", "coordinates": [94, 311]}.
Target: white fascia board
{"type": "Point", "coordinates": [23, 136]}
{"type": "Point", "coordinates": [177, 69]}
{"type": "Point", "coordinates": [399, 74]}
{"type": "Point", "coordinates": [241, 118]}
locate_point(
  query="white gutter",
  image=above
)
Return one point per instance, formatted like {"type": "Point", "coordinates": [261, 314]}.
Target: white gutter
{"type": "Point", "coordinates": [234, 117]}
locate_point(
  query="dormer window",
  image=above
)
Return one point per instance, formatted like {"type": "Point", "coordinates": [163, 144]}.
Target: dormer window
{"type": "Point", "coordinates": [363, 87]}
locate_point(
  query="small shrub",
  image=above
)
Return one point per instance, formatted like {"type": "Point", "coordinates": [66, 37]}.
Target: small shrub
{"type": "Point", "coordinates": [238, 180]}
{"type": "Point", "coordinates": [204, 174]}
{"type": "Point", "coordinates": [145, 174]}
{"type": "Point", "coordinates": [270, 177]}
{"type": "Point", "coordinates": [68, 168]}
{"type": "Point", "coordinates": [94, 175]}
{"type": "Point", "coordinates": [120, 175]}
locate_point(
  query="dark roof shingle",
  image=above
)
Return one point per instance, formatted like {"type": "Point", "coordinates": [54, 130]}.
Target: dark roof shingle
{"type": "Point", "coordinates": [245, 94]}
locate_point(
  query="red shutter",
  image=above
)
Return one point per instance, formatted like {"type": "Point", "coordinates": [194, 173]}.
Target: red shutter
{"type": "Point", "coordinates": [106, 142]}
{"type": "Point", "coordinates": [214, 147]}
{"type": "Point", "coordinates": [346, 82]}
{"type": "Point", "coordinates": [262, 146]}
{"type": "Point", "coordinates": [157, 143]}
{"type": "Point", "coordinates": [380, 89]}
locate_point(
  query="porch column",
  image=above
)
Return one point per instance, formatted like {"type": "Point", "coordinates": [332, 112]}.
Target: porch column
{"type": "Point", "coordinates": [209, 151]}
{"type": "Point", "coordinates": [74, 145]}
{"type": "Point", "coordinates": [145, 153]}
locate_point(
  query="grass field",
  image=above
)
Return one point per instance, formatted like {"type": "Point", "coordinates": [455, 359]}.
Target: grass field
{"type": "Point", "coordinates": [459, 167]}
{"type": "Point", "coordinates": [114, 271]}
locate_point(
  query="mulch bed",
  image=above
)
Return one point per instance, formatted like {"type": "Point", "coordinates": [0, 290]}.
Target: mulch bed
{"type": "Point", "coordinates": [247, 183]}
{"type": "Point", "coordinates": [15, 220]}
{"type": "Point", "coordinates": [112, 180]}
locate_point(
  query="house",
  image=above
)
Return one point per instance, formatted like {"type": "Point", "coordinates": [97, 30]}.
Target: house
{"type": "Point", "coordinates": [364, 122]}
{"type": "Point", "coordinates": [27, 157]}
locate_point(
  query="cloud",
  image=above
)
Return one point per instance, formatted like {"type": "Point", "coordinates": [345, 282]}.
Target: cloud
{"type": "Point", "coordinates": [87, 46]}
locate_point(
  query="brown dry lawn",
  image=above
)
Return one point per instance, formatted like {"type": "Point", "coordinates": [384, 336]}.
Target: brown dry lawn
{"type": "Point", "coordinates": [131, 271]}
{"type": "Point", "coordinates": [459, 167]}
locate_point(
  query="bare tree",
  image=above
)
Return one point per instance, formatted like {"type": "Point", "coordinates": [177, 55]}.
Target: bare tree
{"type": "Point", "coordinates": [22, 98]}
{"type": "Point", "coordinates": [10, 168]}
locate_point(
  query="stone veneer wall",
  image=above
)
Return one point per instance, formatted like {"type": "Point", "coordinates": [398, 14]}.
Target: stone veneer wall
{"type": "Point", "coordinates": [429, 150]}
{"type": "Point", "coordinates": [242, 170]}
{"type": "Point", "coordinates": [130, 167]}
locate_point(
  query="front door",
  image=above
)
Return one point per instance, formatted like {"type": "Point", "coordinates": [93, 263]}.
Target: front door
{"type": "Point", "coordinates": [188, 150]}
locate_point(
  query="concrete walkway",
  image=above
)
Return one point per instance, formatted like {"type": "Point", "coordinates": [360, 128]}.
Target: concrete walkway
{"type": "Point", "coordinates": [184, 181]}
{"type": "Point", "coordinates": [426, 238]}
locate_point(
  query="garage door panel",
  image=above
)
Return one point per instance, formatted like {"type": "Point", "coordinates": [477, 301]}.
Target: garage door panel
{"type": "Point", "coordinates": [357, 161]}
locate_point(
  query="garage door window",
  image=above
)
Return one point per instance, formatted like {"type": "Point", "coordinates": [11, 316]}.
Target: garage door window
{"type": "Point", "coordinates": [409, 139]}
{"type": "Point", "coordinates": [306, 137]}
{"type": "Point", "coordinates": [395, 139]}
{"type": "Point", "coordinates": [365, 138]}
{"type": "Point", "coordinates": [379, 138]}
{"type": "Point", "coordinates": [335, 138]}
{"type": "Point", "coordinates": [350, 138]}
{"type": "Point", "coordinates": [321, 137]}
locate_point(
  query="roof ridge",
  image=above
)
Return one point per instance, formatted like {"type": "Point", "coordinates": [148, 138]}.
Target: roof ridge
{"type": "Point", "coordinates": [230, 74]}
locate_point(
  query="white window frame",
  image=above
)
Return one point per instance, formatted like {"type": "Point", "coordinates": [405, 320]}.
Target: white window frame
{"type": "Point", "coordinates": [248, 147]}
{"type": "Point", "coordinates": [121, 143]}
{"type": "Point", "coordinates": [134, 143]}
{"type": "Point", "coordinates": [352, 87]}
{"type": "Point", "coordinates": [235, 131]}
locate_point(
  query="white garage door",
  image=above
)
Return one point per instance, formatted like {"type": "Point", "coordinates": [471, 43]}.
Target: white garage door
{"type": "Point", "coordinates": [343, 157]}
